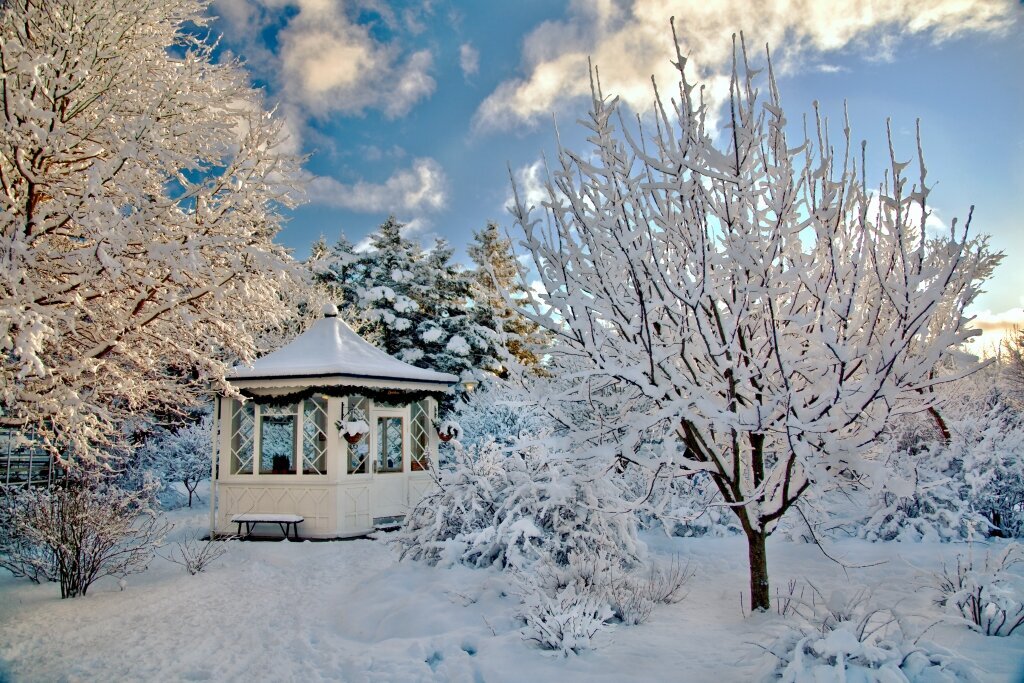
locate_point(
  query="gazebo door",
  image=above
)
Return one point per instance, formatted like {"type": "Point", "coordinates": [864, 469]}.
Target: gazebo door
{"type": "Point", "coordinates": [390, 455]}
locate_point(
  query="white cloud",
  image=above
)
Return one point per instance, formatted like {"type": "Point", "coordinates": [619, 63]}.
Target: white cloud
{"type": "Point", "coordinates": [630, 40]}
{"type": "Point", "coordinates": [326, 63]}
{"type": "Point", "coordinates": [421, 188]}
{"type": "Point", "coordinates": [469, 59]}
{"type": "Point", "coordinates": [530, 183]}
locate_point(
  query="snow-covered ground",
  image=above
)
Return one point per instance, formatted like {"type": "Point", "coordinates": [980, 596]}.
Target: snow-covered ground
{"type": "Point", "coordinates": [350, 611]}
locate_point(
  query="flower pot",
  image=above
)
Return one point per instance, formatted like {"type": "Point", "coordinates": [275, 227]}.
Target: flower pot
{"type": "Point", "coordinates": [353, 438]}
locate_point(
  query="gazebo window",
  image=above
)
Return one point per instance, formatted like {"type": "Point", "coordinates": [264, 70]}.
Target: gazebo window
{"type": "Point", "coordinates": [243, 427]}
{"type": "Point", "coordinates": [314, 436]}
{"type": "Point", "coordinates": [359, 453]}
{"type": "Point", "coordinates": [419, 431]}
{"type": "Point", "coordinates": [278, 438]}
{"type": "Point", "coordinates": [389, 444]}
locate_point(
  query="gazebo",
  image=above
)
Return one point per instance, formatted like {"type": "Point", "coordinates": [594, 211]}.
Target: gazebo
{"type": "Point", "coordinates": [331, 429]}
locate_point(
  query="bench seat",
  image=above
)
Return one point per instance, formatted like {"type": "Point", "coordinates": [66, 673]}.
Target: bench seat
{"type": "Point", "coordinates": [251, 519]}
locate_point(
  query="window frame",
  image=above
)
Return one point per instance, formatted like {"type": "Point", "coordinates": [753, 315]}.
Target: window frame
{"type": "Point", "coordinates": [253, 457]}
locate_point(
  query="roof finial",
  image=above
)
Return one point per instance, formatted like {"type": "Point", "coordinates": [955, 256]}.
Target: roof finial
{"type": "Point", "coordinates": [330, 311]}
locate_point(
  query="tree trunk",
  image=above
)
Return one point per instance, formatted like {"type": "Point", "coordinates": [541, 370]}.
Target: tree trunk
{"type": "Point", "coordinates": [757, 553]}
{"type": "Point", "coordinates": [997, 524]}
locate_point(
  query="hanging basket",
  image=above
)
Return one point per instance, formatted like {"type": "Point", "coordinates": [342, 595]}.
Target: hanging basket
{"type": "Point", "coordinates": [448, 430]}
{"type": "Point", "coordinates": [354, 428]}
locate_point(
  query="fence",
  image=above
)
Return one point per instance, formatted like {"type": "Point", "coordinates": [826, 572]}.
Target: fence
{"type": "Point", "coordinates": [23, 462]}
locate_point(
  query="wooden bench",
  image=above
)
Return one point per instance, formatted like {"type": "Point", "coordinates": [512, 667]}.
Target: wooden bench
{"type": "Point", "coordinates": [251, 519]}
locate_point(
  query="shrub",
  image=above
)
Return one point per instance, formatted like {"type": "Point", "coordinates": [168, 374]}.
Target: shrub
{"type": "Point", "coordinates": [843, 638]}
{"type": "Point", "coordinates": [195, 554]}
{"type": "Point", "coordinates": [515, 509]}
{"type": "Point", "coordinates": [565, 606]}
{"type": "Point", "coordinates": [917, 491]}
{"type": "Point", "coordinates": [24, 557]}
{"type": "Point", "coordinates": [81, 532]}
{"type": "Point", "coordinates": [983, 592]}
{"type": "Point", "coordinates": [559, 528]}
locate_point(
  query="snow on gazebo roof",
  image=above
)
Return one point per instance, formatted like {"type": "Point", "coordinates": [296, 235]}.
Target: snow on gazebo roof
{"type": "Point", "coordinates": [330, 348]}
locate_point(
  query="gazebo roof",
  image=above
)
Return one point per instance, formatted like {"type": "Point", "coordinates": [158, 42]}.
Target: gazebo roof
{"type": "Point", "coordinates": [330, 348]}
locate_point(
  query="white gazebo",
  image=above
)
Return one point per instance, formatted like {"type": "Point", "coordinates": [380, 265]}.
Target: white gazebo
{"type": "Point", "coordinates": [332, 429]}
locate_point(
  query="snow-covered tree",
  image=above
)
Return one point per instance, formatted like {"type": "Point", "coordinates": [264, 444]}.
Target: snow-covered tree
{"type": "Point", "coordinates": [180, 456]}
{"type": "Point", "coordinates": [1013, 350]}
{"type": "Point", "coordinates": [141, 184]}
{"type": "Point", "coordinates": [452, 333]}
{"type": "Point", "coordinates": [753, 294]}
{"type": "Point", "coordinates": [497, 272]}
{"type": "Point", "coordinates": [411, 302]}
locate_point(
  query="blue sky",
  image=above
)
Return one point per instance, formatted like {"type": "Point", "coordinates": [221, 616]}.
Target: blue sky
{"type": "Point", "coordinates": [419, 108]}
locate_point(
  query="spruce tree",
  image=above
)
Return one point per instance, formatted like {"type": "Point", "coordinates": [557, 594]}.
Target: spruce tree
{"type": "Point", "coordinates": [496, 272]}
{"type": "Point", "coordinates": [413, 304]}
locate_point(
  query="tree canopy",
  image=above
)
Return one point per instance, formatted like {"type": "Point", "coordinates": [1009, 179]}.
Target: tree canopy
{"type": "Point", "coordinates": [753, 296]}
{"type": "Point", "coordinates": [141, 180]}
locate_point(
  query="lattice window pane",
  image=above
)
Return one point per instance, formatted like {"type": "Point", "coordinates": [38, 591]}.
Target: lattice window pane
{"type": "Point", "coordinates": [278, 436]}
{"type": "Point", "coordinates": [314, 436]}
{"type": "Point", "coordinates": [420, 437]}
{"type": "Point", "coordinates": [359, 453]}
{"type": "Point", "coordinates": [243, 427]}
{"type": "Point", "coordinates": [389, 444]}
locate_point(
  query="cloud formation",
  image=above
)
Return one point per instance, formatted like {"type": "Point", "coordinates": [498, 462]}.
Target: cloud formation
{"type": "Point", "coordinates": [630, 40]}
{"type": "Point", "coordinates": [326, 62]}
{"type": "Point", "coordinates": [530, 184]}
{"type": "Point", "coordinates": [469, 59]}
{"type": "Point", "coordinates": [422, 188]}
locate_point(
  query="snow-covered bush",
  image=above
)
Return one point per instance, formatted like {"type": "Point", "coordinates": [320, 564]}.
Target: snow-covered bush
{"type": "Point", "coordinates": [23, 556]}
{"type": "Point", "coordinates": [500, 411]}
{"type": "Point", "coordinates": [843, 638]}
{"type": "Point", "coordinates": [633, 596]}
{"type": "Point", "coordinates": [915, 493]}
{"type": "Point", "coordinates": [989, 444]}
{"type": "Point", "coordinates": [517, 508]}
{"type": "Point", "coordinates": [179, 456]}
{"type": "Point", "coordinates": [985, 593]}
{"type": "Point", "coordinates": [195, 554]}
{"type": "Point", "coordinates": [563, 611]}
{"type": "Point", "coordinates": [927, 487]}
{"type": "Point", "coordinates": [87, 529]}
{"type": "Point", "coordinates": [560, 529]}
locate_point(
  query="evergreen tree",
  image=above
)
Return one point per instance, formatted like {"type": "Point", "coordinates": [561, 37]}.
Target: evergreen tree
{"type": "Point", "coordinates": [495, 275]}
{"type": "Point", "coordinates": [412, 303]}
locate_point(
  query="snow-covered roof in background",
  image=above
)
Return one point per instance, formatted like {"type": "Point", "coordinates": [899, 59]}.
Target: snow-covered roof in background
{"type": "Point", "coordinates": [331, 348]}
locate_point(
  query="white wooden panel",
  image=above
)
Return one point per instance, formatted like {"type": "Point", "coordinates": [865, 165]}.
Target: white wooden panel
{"type": "Point", "coordinates": [354, 500]}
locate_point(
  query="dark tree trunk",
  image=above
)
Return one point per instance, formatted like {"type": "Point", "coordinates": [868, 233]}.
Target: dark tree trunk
{"type": "Point", "coordinates": [758, 556]}
{"type": "Point", "coordinates": [997, 524]}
